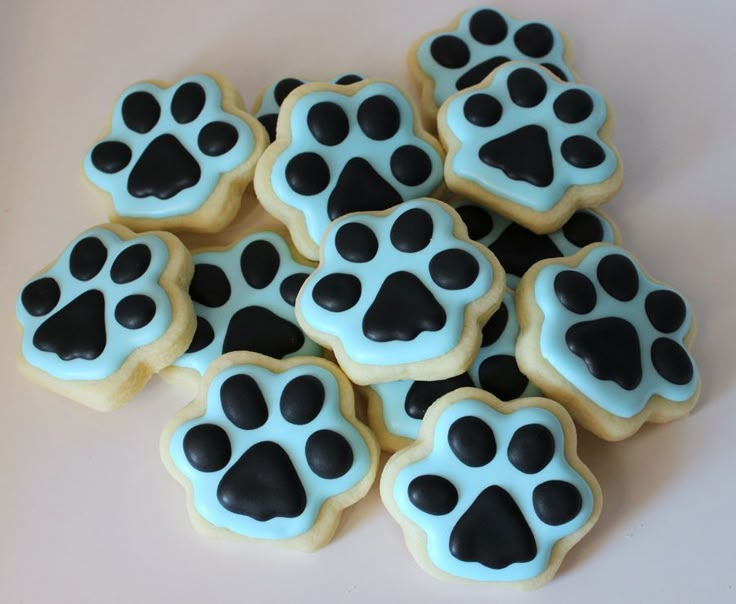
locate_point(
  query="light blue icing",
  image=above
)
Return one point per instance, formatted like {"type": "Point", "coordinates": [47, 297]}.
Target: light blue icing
{"type": "Point", "coordinates": [469, 483]}
{"type": "Point", "coordinates": [562, 243]}
{"type": "Point", "coordinates": [347, 325]}
{"type": "Point", "coordinates": [557, 320]}
{"type": "Point", "coordinates": [393, 394]}
{"type": "Point", "coordinates": [190, 199]}
{"type": "Point", "coordinates": [292, 439]}
{"type": "Point", "coordinates": [269, 105]}
{"type": "Point", "coordinates": [120, 341]}
{"type": "Point", "coordinates": [243, 295]}
{"type": "Point", "coordinates": [445, 78]}
{"type": "Point", "coordinates": [356, 144]}
{"type": "Point", "coordinates": [468, 165]}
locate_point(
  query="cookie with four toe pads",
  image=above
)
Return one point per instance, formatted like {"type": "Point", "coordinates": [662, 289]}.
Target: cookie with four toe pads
{"type": "Point", "coordinates": [177, 156]}
{"type": "Point", "coordinates": [529, 146]}
{"type": "Point", "coordinates": [401, 294]}
{"type": "Point", "coordinates": [492, 492]}
{"type": "Point", "coordinates": [112, 310]}
{"type": "Point", "coordinates": [271, 450]}
{"type": "Point", "coordinates": [343, 149]}
{"type": "Point", "coordinates": [603, 338]}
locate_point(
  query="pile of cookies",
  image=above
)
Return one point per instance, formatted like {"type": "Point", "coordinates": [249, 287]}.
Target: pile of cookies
{"type": "Point", "coordinates": [455, 282]}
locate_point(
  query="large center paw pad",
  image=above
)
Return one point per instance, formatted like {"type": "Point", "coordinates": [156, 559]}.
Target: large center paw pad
{"type": "Point", "coordinates": [518, 248]}
{"type": "Point", "coordinates": [494, 492]}
{"type": "Point", "coordinates": [99, 302]}
{"type": "Point", "coordinates": [270, 446]}
{"type": "Point", "coordinates": [525, 137]}
{"type": "Point", "coordinates": [244, 298]}
{"type": "Point", "coordinates": [614, 334]}
{"type": "Point", "coordinates": [168, 147]}
{"type": "Point", "coordinates": [268, 105]}
{"type": "Point", "coordinates": [476, 43]}
{"type": "Point", "coordinates": [396, 409]}
{"type": "Point", "coordinates": [393, 288]}
{"type": "Point", "coordinates": [345, 152]}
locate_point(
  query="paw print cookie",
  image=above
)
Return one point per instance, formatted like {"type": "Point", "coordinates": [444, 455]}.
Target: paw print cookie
{"type": "Point", "coordinates": [607, 341]}
{"type": "Point", "coordinates": [529, 146]}
{"type": "Point", "coordinates": [492, 492]}
{"type": "Point", "coordinates": [244, 298]}
{"type": "Point", "coordinates": [344, 149]}
{"type": "Point", "coordinates": [268, 103]}
{"type": "Point", "coordinates": [396, 409]}
{"type": "Point", "coordinates": [401, 294]}
{"type": "Point", "coordinates": [518, 248]}
{"type": "Point", "coordinates": [271, 451]}
{"type": "Point", "coordinates": [474, 44]}
{"type": "Point", "coordinates": [112, 310]}
{"type": "Point", "coordinates": [177, 156]}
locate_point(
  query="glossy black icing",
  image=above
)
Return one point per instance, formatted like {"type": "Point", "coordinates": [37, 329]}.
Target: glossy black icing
{"type": "Point", "coordinates": [243, 402]}
{"type": "Point", "coordinates": [111, 156]}
{"type": "Point", "coordinates": [360, 188]}
{"type": "Point", "coordinates": [493, 532]}
{"type": "Point", "coordinates": [672, 361]}
{"type": "Point", "coordinates": [422, 394]}
{"type": "Point", "coordinates": [450, 51]}
{"type": "Point", "coordinates": [556, 502]}
{"type": "Point", "coordinates": [575, 291]}
{"type": "Point", "coordinates": [410, 165]}
{"type": "Point", "coordinates": [534, 40]}
{"type": "Point", "coordinates": [140, 112]}
{"type": "Point", "coordinates": [135, 311]}
{"type": "Point", "coordinates": [531, 448]}
{"type": "Point", "coordinates": [475, 74]}
{"type": "Point", "coordinates": [583, 228]}
{"type": "Point", "coordinates": [494, 327]}
{"type": "Point", "coordinates": [130, 264]}
{"type": "Point", "coordinates": [188, 102]}
{"type": "Point", "coordinates": [289, 288]}
{"type": "Point", "coordinates": [284, 87]}
{"type": "Point", "coordinates": [477, 220]}
{"type": "Point", "coordinates": [555, 70]}
{"type": "Point", "coordinates": [259, 263]}
{"type": "Point", "coordinates": [210, 285]}
{"type": "Point", "coordinates": [610, 348]}
{"type": "Point", "coordinates": [526, 87]}
{"type": "Point", "coordinates": [522, 154]}
{"type": "Point", "coordinates": [269, 121]}
{"type": "Point", "coordinates": [500, 375]}
{"type": "Point", "coordinates": [87, 258]}
{"type": "Point", "coordinates": [329, 454]}
{"type": "Point", "coordinates": [379, 117]}
{"type": "Point", "coordinates": [472, 441]}
{"type": "Point", "coordinates": [207, 447]}
{"type": "Point", "coordinates": [257, 329]}
{"type": "Point", "coordinates": [40, 296]}
{"type": "Point", "coordinates": [573, 106]}
{"type": "Point", "coordinates": [665, 310]}
{"type": "Point", "coordinates": [412, 231]}
{"type": "Point", "coordinates": [618, 276]}
{"type": "Point", "coordinates": [307, 173]}
{"type": "Point", "coordinates": [164, 169]}
{"type": "Point", "coordinates": [217, 138]}
{"type": "Point", "coordinates": [403, 309]}
{"type": "Point", "coordinates": [337, 292]}
{"type": "Point", "coordinates": [433, 494]}
{"type": "Point", "coordinates": [487, 26]}
{"type": "Point", "coordinates": [328, 123]}
{"type": "Point", "coordinates": [453, 269]}
{"type": "Point", "coordinates": [518, 248]}
{"type": "Point", "coordinates": [302, 399]}
{"type": "Point", "coordinates": [356, 242]}
{"type": "Point", "coordinates": [347, 79]}
{"type": "Point", "coordinates": [76, 331]}
{"type": "Point", "coordinates": [203, 335]}
{"type": "Point", "coordinates": [263, 484]}
{"type": "Point", "coordinates": [482, 110]}
{"type": "Point", "coordinates": [582, 152]}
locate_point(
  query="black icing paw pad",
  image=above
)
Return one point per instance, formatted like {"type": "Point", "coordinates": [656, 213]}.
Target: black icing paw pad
{"type": "Point", "coordinates": [98, 303]}
{"type": "Point", "coordinates": [270, 447]}
{"type": "Point", "coordinates": [169, 144]}
{"type": "Point", "coordinates": [482, 40]}
{"type": "Point", "coordinates": [244, 298]}
{"type": "Point", "coordinates": [409, 288]}
{"type": "Point", "coordinates": [496, 490]}
{"type": "Point", "coordinates": [624, 330]}
{"type": "Point", "coordinates": [353, 153]}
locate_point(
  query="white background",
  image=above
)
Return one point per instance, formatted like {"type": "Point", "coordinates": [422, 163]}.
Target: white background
{"type": "Point", "coordinates": [88, 512]}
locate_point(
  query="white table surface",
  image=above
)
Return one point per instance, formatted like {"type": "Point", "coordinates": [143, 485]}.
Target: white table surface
{"type": "Point", "coordinates": [87, 511]}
